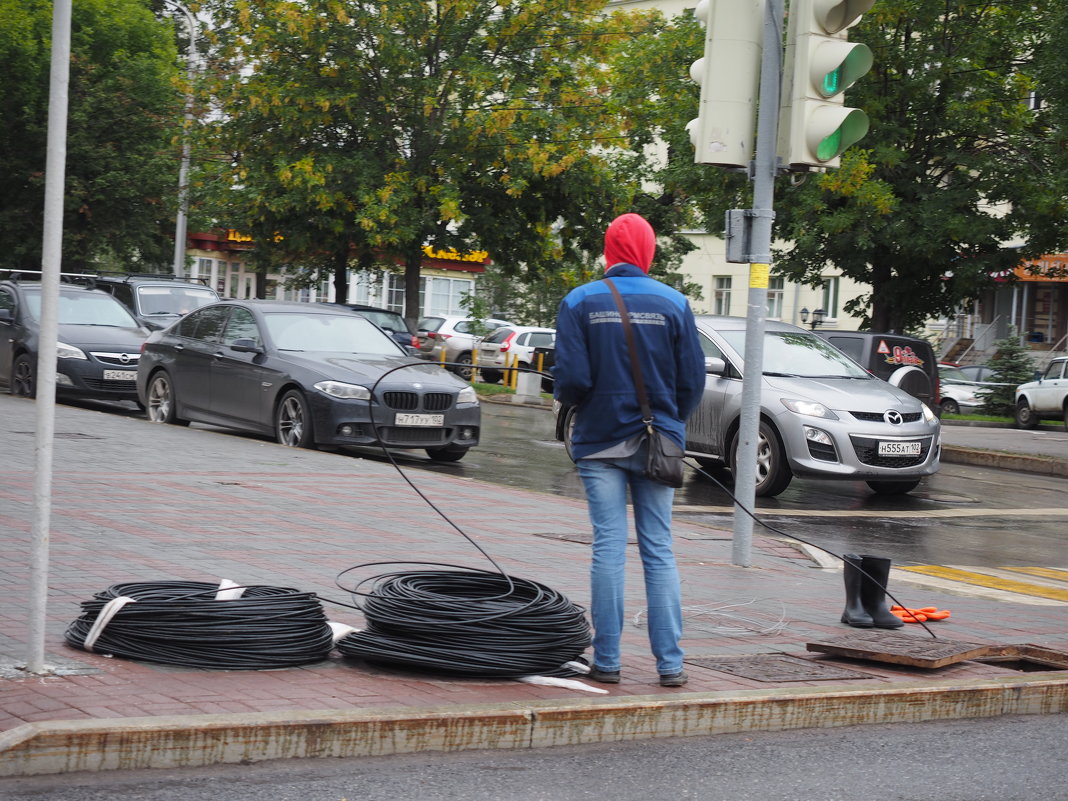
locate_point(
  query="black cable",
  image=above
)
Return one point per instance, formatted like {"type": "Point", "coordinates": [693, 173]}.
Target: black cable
{"type": "Point", "coordinates": [181, 623]}
{"type": "Point", "coordinates": [467, 622]}
{"type": "Point", "coordinates": [801, 539]}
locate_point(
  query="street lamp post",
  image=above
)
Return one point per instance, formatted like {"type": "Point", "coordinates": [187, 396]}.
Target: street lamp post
{"type": "Point", "coordinates": [183, 172]}
{"type": "Point", "coordinates": [817, 317]}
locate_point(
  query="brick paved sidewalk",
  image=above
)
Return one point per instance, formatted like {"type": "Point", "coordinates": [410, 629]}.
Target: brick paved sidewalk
{"type": "Point", "coordinates": [134, 501]}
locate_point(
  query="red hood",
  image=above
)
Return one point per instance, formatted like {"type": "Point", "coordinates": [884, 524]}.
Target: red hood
{"type": "Point", "coordinates": [630, 240]}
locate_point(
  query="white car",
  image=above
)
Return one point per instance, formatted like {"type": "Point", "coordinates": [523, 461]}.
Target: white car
{"type": "Point", "coordinates": [497, 351]}
{"type": "Point", "coordinates": [1046, 398]}
{"type": "Point", "coordinates": [452, 339]}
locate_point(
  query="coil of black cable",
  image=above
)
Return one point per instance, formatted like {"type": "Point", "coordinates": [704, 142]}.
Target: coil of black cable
{"type": "Point", "coordinates": [181, 623]}
{"type": "Point", "coordinates": [467, 622]}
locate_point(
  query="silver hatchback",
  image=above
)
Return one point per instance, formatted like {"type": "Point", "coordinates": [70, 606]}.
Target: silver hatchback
{"type": "Point", "coordinates": [822, 415]}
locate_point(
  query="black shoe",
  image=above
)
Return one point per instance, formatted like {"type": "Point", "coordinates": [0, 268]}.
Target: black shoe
{"type": "Point", "coordinates": [673, 679]}
{"type": "Point", "coordinates": [603, 676]}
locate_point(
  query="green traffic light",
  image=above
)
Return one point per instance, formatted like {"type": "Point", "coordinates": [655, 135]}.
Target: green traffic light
{"type": "Point", "coordinates": [831, 82]}
{"type": "Point", "coordinates": [830, 146]}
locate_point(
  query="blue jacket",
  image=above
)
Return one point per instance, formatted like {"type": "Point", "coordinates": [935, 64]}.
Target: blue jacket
{"type": "Point", "coordinates": [592, 369]}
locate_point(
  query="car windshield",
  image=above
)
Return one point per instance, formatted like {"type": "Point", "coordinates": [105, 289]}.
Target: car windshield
{"type": "Point", "coordinates": [387, 320]}
{"type": "Point", "coordinates": [164, 300]}
{"type": "Point", "coordinates": [800, 355]}
{"type": "Point", "coordinates": [952, 374]}
{"type": "Point", "coordinates": [430, 323]}
{"type": "Point", "coordinates": [84, 308]}
{"type": "Point", "coordinates": [328, 333]}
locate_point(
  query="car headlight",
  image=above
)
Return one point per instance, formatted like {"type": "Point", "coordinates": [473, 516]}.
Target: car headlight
{"type": "Point", "coordinates": [339, 389]}
{"type": "Point", "coordinates": [808, 408]}
{"type": "Point", "coordinates": [65, 351]}
{"type": "Point", "coordinates": [928, 416]}
{"type": "Point", "coordinates": [467, 395]}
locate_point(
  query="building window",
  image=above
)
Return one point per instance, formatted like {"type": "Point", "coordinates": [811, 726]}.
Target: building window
{"type": "Point", "coordinates": [721, 294]}
{"type": "Point", "coordinates": [445, 295]}
{"type": "Point", "coordinates": [830, 298]}
{"type": "Point", "coordinates": [394, 292]}
{"type": "Point", "coordinates": [775, 294]}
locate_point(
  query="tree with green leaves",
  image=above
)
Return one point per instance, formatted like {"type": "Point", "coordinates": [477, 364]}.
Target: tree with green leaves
{"type": "Point", "coordinates": [358, 132]}
{"type": "Point", "coordinates": [124, 116]}
{"type": "Point", "coordinates": [956, 170]}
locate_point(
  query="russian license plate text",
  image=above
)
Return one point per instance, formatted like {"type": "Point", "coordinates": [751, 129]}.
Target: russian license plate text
{"type": "Point", "coordinates": [404, 419]}
{"type": "Point", "coordinates": [120, 375]}
{"type": "Point", "coordinates": [899, 448]}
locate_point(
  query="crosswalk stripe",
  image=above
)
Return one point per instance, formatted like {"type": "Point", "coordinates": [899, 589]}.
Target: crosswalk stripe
{"type": "Point", "coordinates": [987, 580]}
{"type": "Point", "coordinates": [1042, 572]}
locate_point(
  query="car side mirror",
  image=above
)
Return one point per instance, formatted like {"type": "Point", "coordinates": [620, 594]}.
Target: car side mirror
{"type": "Point", "coordinates": [715, 366]}
{"type": "Point", "coordinates": [246, 346]}
{"type": "Point", "coordinates": [6, 316]}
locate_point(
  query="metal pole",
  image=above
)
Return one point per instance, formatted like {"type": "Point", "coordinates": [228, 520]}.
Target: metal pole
{"type": "Point", "coordinates": [763, 197]}
{"type": "Point", "coordinates": [180, 224]}
{"type": "Point", "coordinates": [51, 262]}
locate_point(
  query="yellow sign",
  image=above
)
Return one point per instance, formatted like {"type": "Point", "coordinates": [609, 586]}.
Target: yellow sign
{"type": "Point", "coordinates": [233, 235]}
{"type": "Point", "coordinates": [758, 276]}
{"type": "Point", "coordinates": [452, 254]}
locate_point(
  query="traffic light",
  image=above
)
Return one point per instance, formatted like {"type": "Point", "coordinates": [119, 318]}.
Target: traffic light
{"type": "Point", "coordinates": [729, 74]}
{"type": "Point", "coordinates": [815, 126]}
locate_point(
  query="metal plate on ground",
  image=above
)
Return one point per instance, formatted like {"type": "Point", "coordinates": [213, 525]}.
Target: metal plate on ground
{"type": "Point", "coordinates": [904, 649]}
{"type": "Point", "coordinates": [776, 667]}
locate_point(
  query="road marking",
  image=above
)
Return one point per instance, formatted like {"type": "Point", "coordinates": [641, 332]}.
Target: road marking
{"type": "Point", "coordinates": [977, 577]}
{"type": "Point", "coordinates": [886, 513]}
{"type": "Point", "coordinates": [1043, 572]}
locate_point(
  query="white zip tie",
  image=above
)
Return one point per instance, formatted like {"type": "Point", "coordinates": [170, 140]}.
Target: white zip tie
{"type": "Point", "coordinates": [229, 590]}
{"type": "Point", "coordinates": [111, 608]}
{"type": "Point", "coordinates": [340, 630]}
{"type": "Point", "coordinates": [553, 681]}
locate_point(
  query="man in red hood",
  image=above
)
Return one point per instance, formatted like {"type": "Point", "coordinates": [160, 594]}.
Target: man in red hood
{"type": "Point", "coordinates": [593, 373]}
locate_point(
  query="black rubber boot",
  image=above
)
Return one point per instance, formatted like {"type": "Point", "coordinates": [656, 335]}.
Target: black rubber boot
{"type": "Point", "coordinates": [855, 614]}
{"type": "Point", "coordinates": [873, 592]}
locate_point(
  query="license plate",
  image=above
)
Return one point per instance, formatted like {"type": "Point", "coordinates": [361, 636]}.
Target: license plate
{"type": "Point", "coordinates": [120, 375]}
{"type": "Point", "coordinates": [899, 448]}
{"type": "Point", "coordinates": [419, 419]}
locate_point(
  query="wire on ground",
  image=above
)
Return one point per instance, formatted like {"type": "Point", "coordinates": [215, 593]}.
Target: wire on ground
{"type": "Point", "coordinates": [184, 623]}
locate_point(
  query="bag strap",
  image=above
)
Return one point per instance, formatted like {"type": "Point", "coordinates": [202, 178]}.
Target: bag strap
{"type": "Point", "coordinates": [635, 366]}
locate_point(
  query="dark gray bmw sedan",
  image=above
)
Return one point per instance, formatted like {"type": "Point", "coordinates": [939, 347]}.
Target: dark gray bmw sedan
{"type": "Point", "coordinates": [307, 374]}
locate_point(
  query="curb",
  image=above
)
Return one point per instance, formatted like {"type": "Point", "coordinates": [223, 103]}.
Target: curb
{"type": "Point", "coordinates": [1043, 465]}
{"type": "Point", "coordinates": [192, 741]}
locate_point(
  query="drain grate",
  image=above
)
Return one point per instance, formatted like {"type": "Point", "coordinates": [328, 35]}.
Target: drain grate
{"type": "Point", "coordinates": [904, 649]}
{"type": "Point", "coordinates": [776, 667]}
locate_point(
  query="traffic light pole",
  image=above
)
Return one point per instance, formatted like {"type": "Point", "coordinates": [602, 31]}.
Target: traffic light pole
{"type": "Point", "coordinates": [761, 215]}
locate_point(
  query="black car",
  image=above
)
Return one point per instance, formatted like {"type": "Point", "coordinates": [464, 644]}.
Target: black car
{"type": "Point", "coordinates": [98, 347]}
{"type": "Point", "coordinates": [903, 361]}
{"type": "Point", "coordinates": [156, 300]}
{"type": "Point", "coordinates": [389, 321]}
{"type": "Point", "coordinates": [304, 373]}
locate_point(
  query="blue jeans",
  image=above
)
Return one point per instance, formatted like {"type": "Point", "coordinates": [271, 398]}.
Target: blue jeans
{"type": "Point", "coordinates": [606, 482]}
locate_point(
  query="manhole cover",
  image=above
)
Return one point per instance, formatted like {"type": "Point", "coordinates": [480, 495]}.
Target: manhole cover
{"type": "Point", "coordinates": [776, 667]}
{"type": "Point", "coordinates": [904, 649]}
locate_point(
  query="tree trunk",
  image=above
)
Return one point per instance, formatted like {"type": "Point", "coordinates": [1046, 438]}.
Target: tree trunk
{"type": "Point", "coordinates": [412, 270]}
{"type": "Point", "coordinates": [881, 307]}
{"type": "Point", "coordinates": [261, 283]}
{"type": "Point", "coordinates": [341, 275]}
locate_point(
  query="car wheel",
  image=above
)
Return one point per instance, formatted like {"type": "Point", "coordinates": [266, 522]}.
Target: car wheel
{"type": "Point", "coordinates": [491, 376]}
{"type": "Point", "coordinates": [292, 421]}
{"type": "Point", "coordinates": [718, 471]}
{"type": "Point", "coordinates": [772, 472]}
{"type": "Point", "coordinates": [450, 453]}
{"type": "Point", "coordinates": [161, 405]}
{"type": "Point", "coordinates": [569, 428]}
{"type": "Point", "coordinates": [1025, 415]}
{"type": "Point", "coordinates": [893, 487]}
{"type": "Point", "coordinates": [463, 368]}
{"type": "Point", "coordinates": [950, 406]}
{"type": "Point", "coordinates": [23, 377]}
